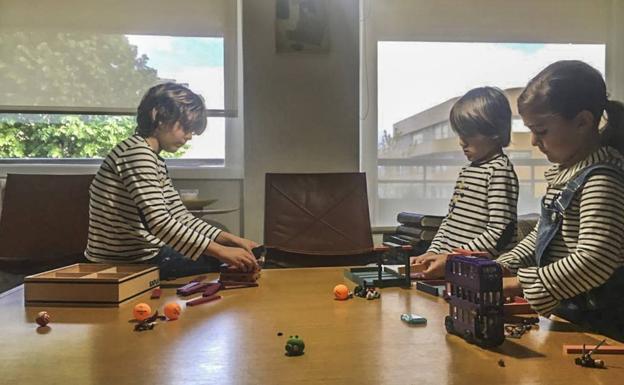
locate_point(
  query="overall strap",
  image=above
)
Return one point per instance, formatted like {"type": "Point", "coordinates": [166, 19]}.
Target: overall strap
{"type": "Point", "coordinates": [567, 194]}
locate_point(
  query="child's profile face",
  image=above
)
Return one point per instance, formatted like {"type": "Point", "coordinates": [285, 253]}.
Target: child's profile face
{"type": "Point", "coordinates": [171, 138]}
{"type": "Point", "coordinates": [479, 147]}
{"type": "Point", "coordinates": [558, 138]}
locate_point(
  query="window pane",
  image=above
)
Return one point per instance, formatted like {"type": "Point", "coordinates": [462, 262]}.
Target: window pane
{"type": "Point", "coordinates": [45, 136]}
{"type": "Point", "coordinates": [418, 82]}
{"type": "Point", "coordinates": [82, 70]}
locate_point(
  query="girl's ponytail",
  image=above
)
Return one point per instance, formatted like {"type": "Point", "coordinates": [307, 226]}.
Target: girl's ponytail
{"type": "Point", "coordinates": [613, 133]}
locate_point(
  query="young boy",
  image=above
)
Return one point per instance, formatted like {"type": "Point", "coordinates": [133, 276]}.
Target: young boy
{"type": "Point", "coordinates": [135, 214]}
{"type": "Point", "coordinates": [482, 212]}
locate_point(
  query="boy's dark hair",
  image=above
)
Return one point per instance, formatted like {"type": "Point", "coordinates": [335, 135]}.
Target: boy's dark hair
{"type": "Point", "coordinates": [172, 103]}
{"type": "Point", "coordinates": [484, 111]}
{"type": "Point", "coordinates": [568, 87]}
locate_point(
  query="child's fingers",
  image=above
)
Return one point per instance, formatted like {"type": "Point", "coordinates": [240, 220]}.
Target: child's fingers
{"type": "Point", "coordinates": [416, 260]}
{"type": "Point", "coordinates": [434, 270]}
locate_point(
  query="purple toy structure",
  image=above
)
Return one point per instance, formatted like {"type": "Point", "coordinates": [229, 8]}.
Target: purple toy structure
{"type": "Point", "coordinates": [475, 290]}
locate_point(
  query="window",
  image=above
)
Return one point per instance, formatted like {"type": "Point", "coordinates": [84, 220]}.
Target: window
{"type": "Point", "coordinates": [70, 89]}
{"type": "Point", "coordinates": [441, 72]}
{"type": "Point", "coordinates": [413, 71]}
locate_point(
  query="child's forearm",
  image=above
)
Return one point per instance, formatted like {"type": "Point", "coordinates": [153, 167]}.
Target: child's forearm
{"type": "Point", "coordinates": [225, 238]}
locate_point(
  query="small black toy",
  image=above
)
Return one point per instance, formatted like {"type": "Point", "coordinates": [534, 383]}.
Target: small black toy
{"type": "Point", "coordinates": [586, 359]}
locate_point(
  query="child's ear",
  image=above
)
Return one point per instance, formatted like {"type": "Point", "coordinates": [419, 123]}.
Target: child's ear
{"type": "Point", "coordinates": [584, 120]}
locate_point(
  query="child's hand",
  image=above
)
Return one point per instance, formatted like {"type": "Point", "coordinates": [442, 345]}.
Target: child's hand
{"type": "Point", "coordinates": [237, 257]}
{"type": "Point", "coordinates": [417, 260]}
{"type": "Point", "coordinates": [511, 287]}
{"type": "Point", "coordinates": [436, 264]}
{"type": "Point", "coordinates": [246, 244]}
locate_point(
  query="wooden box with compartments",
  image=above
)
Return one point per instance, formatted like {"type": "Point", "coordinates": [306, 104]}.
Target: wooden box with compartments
{"type": "Point", "coordinates": [90, 285]}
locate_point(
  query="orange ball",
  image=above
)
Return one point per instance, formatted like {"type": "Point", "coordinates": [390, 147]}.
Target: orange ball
{"type": "Point", "coordinates": [341, 292]}
{"type": "Point", "coordinates": [172, 310]}
{"type": "Point", "coordinates": [142, 311]}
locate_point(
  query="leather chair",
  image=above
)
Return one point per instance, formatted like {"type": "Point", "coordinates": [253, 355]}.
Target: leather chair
{"type": "Point", "coordinates": [317, 220]}
{"type": "Point", "coordinates": [44, 221]}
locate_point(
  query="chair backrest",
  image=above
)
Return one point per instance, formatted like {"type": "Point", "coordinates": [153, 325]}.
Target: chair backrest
{"type": "Point", "coordinates": [44, 221]}
{"type": "Point", "coordinates": [317, 215]}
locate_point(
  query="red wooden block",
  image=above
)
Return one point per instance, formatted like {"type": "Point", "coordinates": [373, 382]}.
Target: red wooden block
{"type": "Point", "coordinates": [383, 248]}
{"type": "Point", "coordinates": [518, 306]}
{"type": "Point", "coordinates": [237, 285]}
{"type": "Point", "coordinates": [198, 287]}
{"type": "Point", "coordinates": [212, 289]}
{"type": "Point", "coordinates": [156, 293]}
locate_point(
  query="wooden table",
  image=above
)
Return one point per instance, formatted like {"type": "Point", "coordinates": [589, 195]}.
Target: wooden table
{"type": "Point", "coordinates": [234, 341]}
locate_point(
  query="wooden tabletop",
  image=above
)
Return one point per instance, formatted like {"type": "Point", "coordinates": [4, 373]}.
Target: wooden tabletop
{"type": "Point", "coordinates": [235, 341]}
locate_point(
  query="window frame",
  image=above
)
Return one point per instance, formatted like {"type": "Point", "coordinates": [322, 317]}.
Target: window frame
{"type": "Point", "coordinates": [416, 26]}
{"type": "Point", "coordinates": [193, 168]}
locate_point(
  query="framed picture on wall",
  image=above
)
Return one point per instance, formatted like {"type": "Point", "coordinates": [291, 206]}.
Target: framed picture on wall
{"type": "Point", "coordinates": [301, 26]}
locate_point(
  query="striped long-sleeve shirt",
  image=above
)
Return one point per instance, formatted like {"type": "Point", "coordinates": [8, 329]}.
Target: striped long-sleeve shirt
{"type": "Point", "coordinates": [134, 209]}
{"type": "Point", "coordinates": [483, 210]}
{"type": "Point", "coordinates": [589, 245]}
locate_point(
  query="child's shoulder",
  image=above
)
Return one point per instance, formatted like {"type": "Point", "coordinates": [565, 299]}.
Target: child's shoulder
{"type": "Point", "coordinates": [134, 144]}
{"type": "Point", "coordinates": [498, 163]}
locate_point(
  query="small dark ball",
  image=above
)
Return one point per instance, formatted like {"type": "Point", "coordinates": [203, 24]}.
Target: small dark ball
{"type": "Point", "coordinates": [43, 318]}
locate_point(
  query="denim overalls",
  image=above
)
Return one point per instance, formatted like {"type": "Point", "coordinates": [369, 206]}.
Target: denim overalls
{"type": "Point", "coordinates": [601, 308]}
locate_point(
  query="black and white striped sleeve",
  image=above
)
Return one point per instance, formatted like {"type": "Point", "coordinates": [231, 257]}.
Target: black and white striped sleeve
{"type": "Point", "coordinates": [181, 213]}
{"type": "Point", "coordinates": [598, 253]}
{"type": "Point", "coordinates": [522, 255]}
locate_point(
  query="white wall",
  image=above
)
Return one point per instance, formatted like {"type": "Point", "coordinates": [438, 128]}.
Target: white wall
{"type": "Point", "coordinates": [615, 50]}
{"type": "Point", "coordinates": [301, 110]}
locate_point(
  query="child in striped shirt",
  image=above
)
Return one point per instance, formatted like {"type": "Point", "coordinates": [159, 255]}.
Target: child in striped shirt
{"type": "Point", "coordinates": [571, 263]}
{"type": "Point", "coordinates": [136, 215]}
{"type": "Point", "coordinates": [482, 213]}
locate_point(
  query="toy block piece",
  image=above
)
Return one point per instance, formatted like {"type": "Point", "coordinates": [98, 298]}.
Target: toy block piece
{"type": "Point", "coordinates": [518, 306]}
{"type": "Point", "coordinates": [602, 349]}
{"type": "Point", "coordinates": [225, 285]}
{"type": "Point", "coordinates": [156, 293]}
{"type": "Point", "coordinates": [418, 268]}
{"type": "Point", "coordinates": [198, 287]}
{"type": "Point", "coordinates": [390, 246]}
{"type": "Point", "coordinates": [186, 287]}
{"type": "Point", "coordinates": [212, 289]}
{"type": "Point", "coordinates": [197, 280]}
{"type": "Point", "coordinates": [200, 300]}
{"type": "Point", "coordinates": [433, 286]}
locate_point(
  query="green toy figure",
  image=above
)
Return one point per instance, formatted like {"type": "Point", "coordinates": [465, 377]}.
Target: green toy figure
{"type": "Point", "coordinates": [294, 346]}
